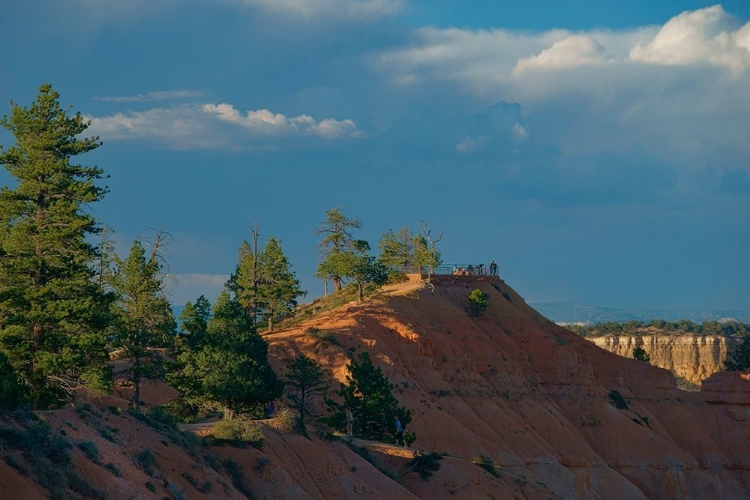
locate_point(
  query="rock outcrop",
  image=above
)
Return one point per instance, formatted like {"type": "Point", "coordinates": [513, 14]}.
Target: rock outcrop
{"type": "Point", "coordinates": [691, 357]}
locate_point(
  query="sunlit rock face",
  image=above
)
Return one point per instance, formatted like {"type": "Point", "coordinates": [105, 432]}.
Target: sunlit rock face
{"type": "Point", "coordinates": [691, 357]}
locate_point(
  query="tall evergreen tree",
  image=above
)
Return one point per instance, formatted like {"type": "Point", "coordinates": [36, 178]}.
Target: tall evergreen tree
{"type": "Point", "coordinates": [306, 379]}
{"type": "Point", "coordinates": [53, 314]}
{"type": "Point", "coordinates": [194, 320]}
{"type": "Point", "coordinates": [229, 369]}
{"type": "Point", "coordinates": [364, 268]}
{"type": "Point", "coordinates": [337, 240]}
{"type": "Point", "coordinates": [279, 288]}
{"type": "Point", "coordinates": [144, 316]}
{"type": "Point", "coordinates": [396, 249]}
{"type": "Point", "coordinates": [369, 395]}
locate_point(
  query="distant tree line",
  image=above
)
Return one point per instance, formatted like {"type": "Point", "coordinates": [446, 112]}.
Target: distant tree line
{"type": "Point", "coordinates": [728, 328]}
{"type": "Point", "coordinates": [69, 304]}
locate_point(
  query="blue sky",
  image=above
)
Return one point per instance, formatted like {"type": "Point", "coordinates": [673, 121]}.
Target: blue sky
{"type": "Point", "coordinates": [598, 150]}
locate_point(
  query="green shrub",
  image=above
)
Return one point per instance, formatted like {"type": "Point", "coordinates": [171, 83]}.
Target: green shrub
{"type": "Point", "coordinates": [321, 335]}
{"type": "Point", "coordinates": [151, 486]}
{"type": "Point", "coordinates": [90, 449]}
{"type": "Point", "coordinates": [485, 463]}
{"type": "Point", "coordinates": [618, 400]}
{"type": "Point", "coordinates": [113, 468]}
{"type": "Point", "coordinates": [641, 354]}
{"type": "Point", "coordinates": [477, 302]}
{"type": "Point", "coordinates": [147, 460]}
{"type": "Point", "coordinates": [425, 464]}
{"type": "Point", "coordinates": [286, 421]}
{"type": "Point", "coordinates": [395, 277]}
{"type": "Point", "coordinates": [240, 430]}
{"type": "Point", "coordinates": [238, 477]}
{"type": "Point", "coordinates": [11, 460]}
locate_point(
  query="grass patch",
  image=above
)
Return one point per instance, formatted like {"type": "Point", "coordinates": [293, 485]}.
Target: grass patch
{"type": "Point", "coordinates": [47, 455]}
{"type": "Point", "coordinates": [114, 469]}
{"type": "Point", "coordinates": [204, 487]}
{"type": "Point", "coordinates": [321, 336]}
{"type": "Point", "coordinates": [286, 421]}
{"type": "Point", "coordinates": [147, 459]}
{"type": "Point", "coordinates": [13, 462]}
{"type": "Point", "coordinates": [486, 463]}
{"type": "Point", "coordinates": [243, 431]}
{"type": "Point", "coordinates": [90, 449]}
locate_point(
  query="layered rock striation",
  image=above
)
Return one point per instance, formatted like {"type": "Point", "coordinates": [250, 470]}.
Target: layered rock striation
{"type": "Point", "coordinates": [691, 357]}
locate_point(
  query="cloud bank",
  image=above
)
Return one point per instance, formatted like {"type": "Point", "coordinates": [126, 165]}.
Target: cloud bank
{"type": "Point", "coordinates": [212, 125]}
{"type": "Point", "coordinates": [680, 91]}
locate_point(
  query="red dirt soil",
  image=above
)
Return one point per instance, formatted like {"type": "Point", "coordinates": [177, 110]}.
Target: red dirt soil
{"type": "Point", "coordinates": [510, 385]}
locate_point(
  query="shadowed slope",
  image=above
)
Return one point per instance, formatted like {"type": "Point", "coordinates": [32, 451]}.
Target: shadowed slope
{"type": "Point", "coordinates": [535, 397]}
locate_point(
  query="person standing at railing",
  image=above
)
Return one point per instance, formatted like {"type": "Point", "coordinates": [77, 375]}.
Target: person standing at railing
{"type": "Point", "coordinates": [480, 269]}
{"type": "Point", "coordinates": [493, 268]}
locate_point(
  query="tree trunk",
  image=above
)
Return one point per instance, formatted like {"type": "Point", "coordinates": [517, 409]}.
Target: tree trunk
{"type": "Point", "coordinates": [336, 283]}
{"type": "Point", "coordinates": [361, 291]}
{"type": "Point", "coordinates": [137, 384]}
{"type": "Point", "coordinates": [270, 322]}
{"type": "Point", "coordinates": [302, 409]}
{"type": "Point", "coordinates": [228, 413]}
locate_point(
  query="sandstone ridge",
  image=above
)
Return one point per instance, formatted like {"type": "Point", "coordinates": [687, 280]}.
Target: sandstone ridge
{"type": "Point", "coordinates": [536, 398]}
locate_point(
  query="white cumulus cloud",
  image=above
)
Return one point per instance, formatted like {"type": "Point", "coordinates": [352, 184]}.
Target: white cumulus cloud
{"type": "Point", "coordinates": [575, 50]}
{"type": "Point", "coordinates": [195, 125]}
{"type": "Point", "coordinates": [679, 90]}
{"type": "Point", "coordinates": [707, 35]}
{"type": "Point", "coordinates": [263, 121]}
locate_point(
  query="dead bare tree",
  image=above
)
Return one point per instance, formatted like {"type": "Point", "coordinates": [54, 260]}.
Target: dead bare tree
{"type": "Point", "coordinates": [433, 256]}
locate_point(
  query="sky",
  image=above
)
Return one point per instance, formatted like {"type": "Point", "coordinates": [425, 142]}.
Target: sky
{"type": "Point", "coordinates": [598, 150]}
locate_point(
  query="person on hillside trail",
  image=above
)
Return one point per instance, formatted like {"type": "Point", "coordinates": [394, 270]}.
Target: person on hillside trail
{"type": "Point", "coordinates": [269, 410]}
{"type": "Point", "coordinates": [399, 432]}
{"type": "Point", "coordinates": [349, 423]}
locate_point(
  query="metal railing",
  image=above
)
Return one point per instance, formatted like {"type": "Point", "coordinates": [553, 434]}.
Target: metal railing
{"type": "Point", "coordinates": [454, 270]}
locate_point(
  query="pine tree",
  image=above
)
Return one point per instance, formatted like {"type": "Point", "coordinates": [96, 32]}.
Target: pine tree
{"type": "Point", "coordinates": [396, 249]}
{"type": "Point", "coordinates": [53, 314]}
{"type": "Point", "coordinates": [229, 369]}
{"type": "Point", "coordinates": [278, 287]}
{"type": "Point", "coordinates": [11, 390]}
{"type": "Point", "coordinates": [336, 242]}
{"type": "Point", "coordinates": [144, 316]}
{"type": "Point", "coordinates": [364, 268]}
{"type": "Point", "coordinates": [306, 379]}
{"type": "Point", "coordinates": [194, 320]}
{"type": "Point", "coordinates": [369, 395]}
